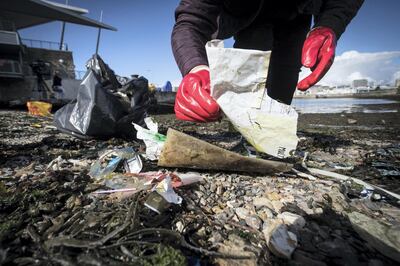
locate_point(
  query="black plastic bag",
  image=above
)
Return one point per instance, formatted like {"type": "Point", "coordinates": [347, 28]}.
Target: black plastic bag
{"type": "Point", "coordinates": [97, 111]}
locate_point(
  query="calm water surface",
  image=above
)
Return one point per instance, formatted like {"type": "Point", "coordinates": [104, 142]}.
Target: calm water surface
{"type": "Point", "coordinates": [346, 105]}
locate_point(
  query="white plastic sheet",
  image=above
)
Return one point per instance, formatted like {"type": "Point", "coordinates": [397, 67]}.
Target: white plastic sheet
{"type": "Point", "coordinates": [154, 141]}
{"type": "Point", "coordinates": [238, 79]}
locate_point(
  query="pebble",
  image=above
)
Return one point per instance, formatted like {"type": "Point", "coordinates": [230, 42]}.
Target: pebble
{"type": "Point", "coordinates": [220, 190]}
{"type": "Point", "coordinates": [262, 201]}
{"type": "Point", "coordinates": [303, 205]}
{"type": "Point", "coordinates": [376, 196]}
{"type": "Point", "coordinates": [215, 238]}
{"type": "Point", "coordinates": [203, 202]}
{"type": "Point", "coordinates": [253, 221]}
{"type": "Point", "coordinates": [242, 213]}
{"type": "Point", "coordinates": [273, 196]}
{"type": "Point", "coordinates": [319, 211]}
{"type": "Point", "coordinates": [213, 187]}
{"type": "Point", "coordinates": [292, 220]}
{"type": "Point", "coordinates": [277, 206]}
{"type": "Point", "coordinates": [233, 204]}
{"type": "Point", "coordinates": [179, 226]}
{"type": "Point", "coordinates": [280, 241]}
{"type": "Point", "coordinates": [216, 209]}
{"type": "Point", "coordinates": [265, 214]}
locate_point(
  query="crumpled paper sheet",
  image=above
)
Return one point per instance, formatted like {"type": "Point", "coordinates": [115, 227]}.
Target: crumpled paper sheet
{"type": "Point", "coordinates": [238, 78]}
{"type": "Point", "coordinates": [154, 141]}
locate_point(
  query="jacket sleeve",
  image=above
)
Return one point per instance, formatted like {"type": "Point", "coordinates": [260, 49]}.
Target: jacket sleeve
{"type": "Point", "coordinates": [195, 22]}
{"type": "Point", "coordinates": [337, 14]}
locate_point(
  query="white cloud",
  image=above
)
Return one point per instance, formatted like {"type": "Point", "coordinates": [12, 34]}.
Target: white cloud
{"type": "Point", "coordinates": [380, 67]}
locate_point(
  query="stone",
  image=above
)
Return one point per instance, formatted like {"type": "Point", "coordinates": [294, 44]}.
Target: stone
{"type": "Point", "coordinates": [233, 204]}
{"type": "Point", "coordinates": [273, 196]}
{"type": "Point", "coordinates": [179, 226]}
{"type": "Point", "coordinates": [319, 211]}
{"type": "Point", "coordinates": [242, 213]}
{"type": "Point", "coordinates": [383, 237]}
{"type": "Point", "coordinates": [213, 187]}
{"type": "Point", "coordinates": [253, 221]}
{"type": "Point", "coordinates": [303, 205]}
{"type": "Point", "coordinates": [292, 220]}
{"type": "Point", "coordinates": [220, 190]}
{"type": "Point", "coordinates": [376, 197]}
{"type": "Point", "coordinates": [265, 214]}
{"type": "Point", "coordinates": [277, 206]}
{"type": "Point", "coordinates": [280, 241]}
{"type": "Point", "coordinates": [216, 209]}
{"type": "Point", "coordinates": [262, 201]}
{"type": "Point", "coordinates": [215, 238]}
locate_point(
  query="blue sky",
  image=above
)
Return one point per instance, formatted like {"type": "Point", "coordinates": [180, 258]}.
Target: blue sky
{"type": "Point", "coordinates": [142, 43]}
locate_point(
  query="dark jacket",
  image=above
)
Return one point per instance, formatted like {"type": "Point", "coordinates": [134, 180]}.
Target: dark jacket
{"type": "Point", "coordinates": [198, 21]}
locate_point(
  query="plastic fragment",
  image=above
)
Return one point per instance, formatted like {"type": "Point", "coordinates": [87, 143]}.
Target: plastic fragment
{"type": "Point", "coordinates": [39, 108]}
{"type": "Point", "coordinates": [154, 141]}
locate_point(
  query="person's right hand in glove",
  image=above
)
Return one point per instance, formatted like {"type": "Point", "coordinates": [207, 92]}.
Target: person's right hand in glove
{"type": "Point", "coordinates": [193, 101]}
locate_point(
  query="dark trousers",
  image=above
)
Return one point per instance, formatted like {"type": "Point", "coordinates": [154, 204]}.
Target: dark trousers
{"type": "Point", "coordinates": [285, 39]}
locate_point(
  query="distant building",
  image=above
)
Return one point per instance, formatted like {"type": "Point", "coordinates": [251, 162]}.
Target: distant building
{"type": "Point", "coordinates": [357, 83]}
{"type": "Point", "coordinates": [397, 83]}
{"type": "Point", "coordinates": [361, 89]}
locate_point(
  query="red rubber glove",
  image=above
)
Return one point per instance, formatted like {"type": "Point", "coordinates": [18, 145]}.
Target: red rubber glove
{"type": "Point", "coordinates": [318, 54]}
{"type": "Point", "coordinates": [193, 101]}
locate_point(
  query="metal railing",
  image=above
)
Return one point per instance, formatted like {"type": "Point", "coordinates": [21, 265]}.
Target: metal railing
{"type": "Point", "coordinates": [45, 44]}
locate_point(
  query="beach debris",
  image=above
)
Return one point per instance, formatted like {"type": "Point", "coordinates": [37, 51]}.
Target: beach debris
{"type": "Point", "coordinates": [156, 202]}
{"type": "Point", "coordinates": [385, 238]}
{"type": "Point", "coordinates": [238, 84]}
{"type": "Point", "coordinates": [351, 121]}
{"type": "Point", "coordinates": [280, 241]}
{"type": "Point", "coordinates": [154, 141]}
{"type": "Point", "coordinates": [185, 179]}
{"type": "Point", "coordinates": [165, 189]}
{"type": "Point", "coordinates": [133, 165]}
{"type": "Point", "coordinates": [55, 216]}
{"type": "Point", "coordinates": [39, 108]}
{"type": "Point", "coordinates": [178, 151]}
{"type": "Point", "coordinates": [109, 160]}
{"type": "Point", "coordinates": [103, 107]}
{"type": "Point", "coordinates": [386, 169]}
{"type": "Point", "coordinates": [341, 177]}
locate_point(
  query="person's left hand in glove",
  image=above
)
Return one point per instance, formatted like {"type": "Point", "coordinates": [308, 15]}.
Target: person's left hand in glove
{"type": "Point", "coordinates": [318, 55]}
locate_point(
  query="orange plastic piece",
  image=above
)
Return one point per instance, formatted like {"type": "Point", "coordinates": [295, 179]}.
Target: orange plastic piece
{"type": "Point", "coordinates": [39, 108]}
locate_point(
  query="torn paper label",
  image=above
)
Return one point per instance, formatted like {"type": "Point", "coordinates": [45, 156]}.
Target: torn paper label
{"type": "Point", "coordinates": [238, 78]}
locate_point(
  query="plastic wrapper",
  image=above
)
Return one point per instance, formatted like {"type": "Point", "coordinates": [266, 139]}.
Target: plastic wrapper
{"type": "Point", "coordinates": [154, 141]}
{"type": "Point", "coordinates": [39, 108]}
{"type": "Point", "coordinates": [109, 161]}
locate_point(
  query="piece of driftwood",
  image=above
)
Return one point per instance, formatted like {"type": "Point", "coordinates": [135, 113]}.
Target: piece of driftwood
{"type": "Point", "coordinates": [182, 150]}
